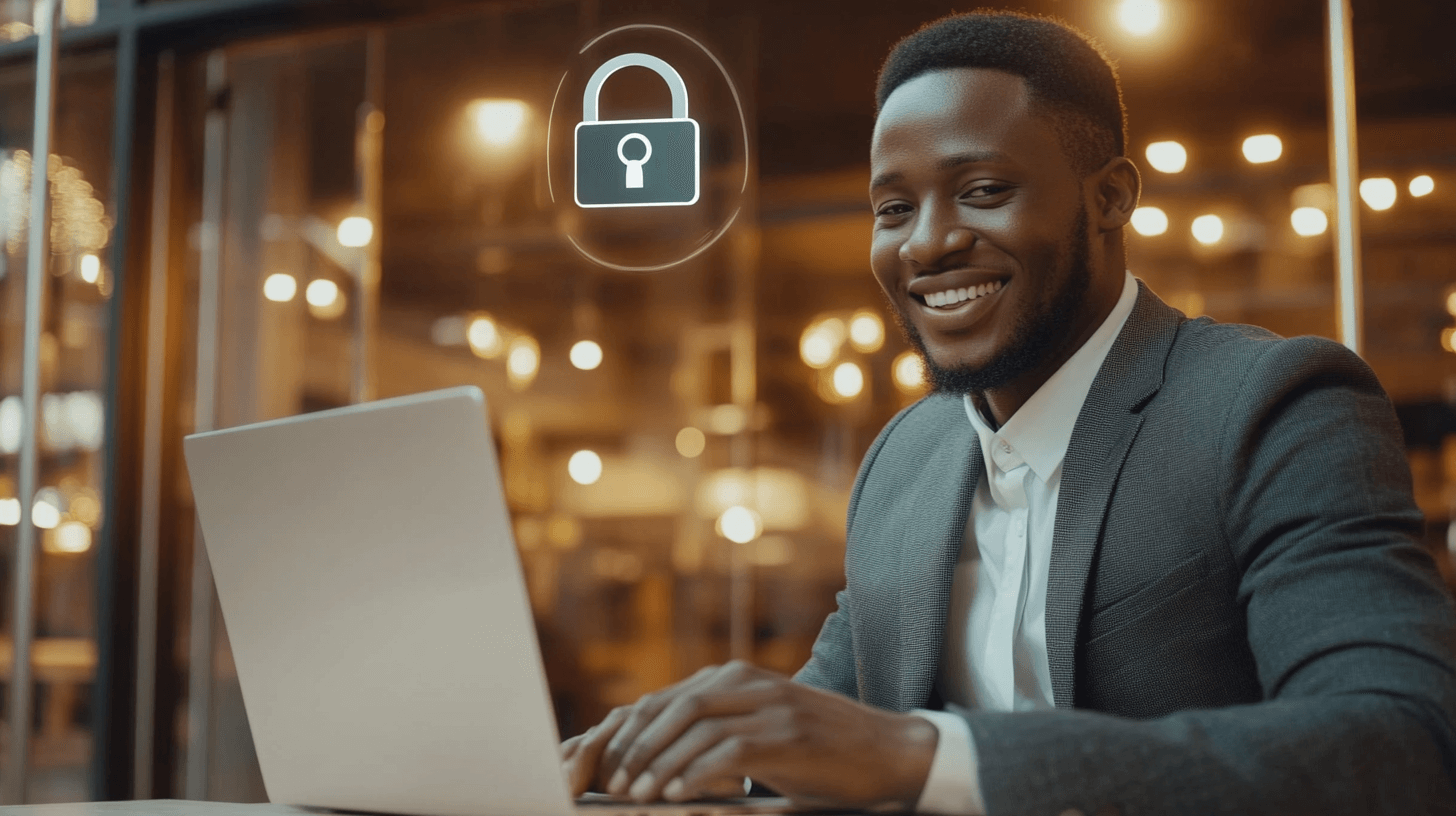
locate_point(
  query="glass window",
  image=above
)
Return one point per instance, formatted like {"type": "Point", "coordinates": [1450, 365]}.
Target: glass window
{"type": "Point", "coordinates": [678, 445]}
{"type": "Point", "coordinates": [76, 333]}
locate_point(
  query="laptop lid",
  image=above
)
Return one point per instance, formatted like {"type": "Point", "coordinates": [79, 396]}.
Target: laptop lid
{"type": "Point", "coordinates": [373, 596]}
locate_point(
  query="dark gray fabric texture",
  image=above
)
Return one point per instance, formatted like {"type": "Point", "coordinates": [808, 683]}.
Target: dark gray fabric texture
{"type": "Point", "coordinates": [1239, 619]}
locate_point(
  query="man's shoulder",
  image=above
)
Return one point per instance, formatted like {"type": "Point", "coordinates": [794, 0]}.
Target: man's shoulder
{"type": "Point", "coordinates": [1234, 356]}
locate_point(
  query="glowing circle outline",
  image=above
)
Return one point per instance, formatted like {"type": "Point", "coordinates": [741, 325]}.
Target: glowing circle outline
{"type": "Point", "coordinates": [743, 126]}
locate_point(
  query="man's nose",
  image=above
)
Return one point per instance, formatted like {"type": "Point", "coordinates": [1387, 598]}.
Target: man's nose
{"type": "Point", "coordinates": [937, 233]}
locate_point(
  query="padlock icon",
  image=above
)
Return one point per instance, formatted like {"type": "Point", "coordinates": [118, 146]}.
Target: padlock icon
{"type": "Point", "coordinates": [636, 162]}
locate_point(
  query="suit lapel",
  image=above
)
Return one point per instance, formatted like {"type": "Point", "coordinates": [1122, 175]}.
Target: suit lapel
{"type": "Point", "coordinates": [1105, 430]}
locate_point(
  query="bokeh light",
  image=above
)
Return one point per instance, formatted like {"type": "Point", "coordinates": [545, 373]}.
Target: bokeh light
{"type": "Point", "coordinates": [848, 380]}
{"type": "Point", "coordinates": [1309, 221]}
{"type": "Point", "coordinates": [1167, 157]}
{"type": "Point", "coordinates": [1208, 229]}
{"type": "Point", "coordinates": [499, 122]}
{"type": "Point", "coordinates": [739, 524]}
{"type": "Point", "coordinates": [71, 537]}
{"type": "Point", "coordinates": [325, 301]}
{"type": "Point", "coordinates": [1422, 186]}
{"type": "Point", "coordinates": [45, 515]}
{"type": "Point", "coordinates": [586, 355]}
{"type": "Point", "coordinates": [484, 338]}
{"type": "Point", "coordinates": [909, 372]}
{"type": "Point", "coordinates": [523, 361]}
{"type": "Point", "coordinates": [321, 292]}
{"type": "Point", "coordinates": [1378, 193]}
{"type": "Point", "coordinates": [1140, 17]}
{"type": "Point", "coordinates": [691, 442]}
{"type": "Point", "coordinates": [1149, 221]}
{"type": "Point", "coordinates": [585, 467]}
{"type": "Point", "coordinates": [1263, 148]}
{"type": "Point", "coordinates": [90, 268]}
{"type": "Point", "coordinates": [356, 231]}
{"type": "Point", "coordinates": [820, 342]}
{"type": "Point", "coordinates": [280, 287]}
{"type": "Point", "coordinates": [866, 331]}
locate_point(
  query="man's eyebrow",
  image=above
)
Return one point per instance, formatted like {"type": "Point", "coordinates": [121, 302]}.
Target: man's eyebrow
{"type": "Point", "coordinates": [947, 163]}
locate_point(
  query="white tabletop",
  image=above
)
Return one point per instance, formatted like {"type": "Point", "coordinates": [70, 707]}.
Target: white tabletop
{"type": "Point", "coordinates": [155, 807]}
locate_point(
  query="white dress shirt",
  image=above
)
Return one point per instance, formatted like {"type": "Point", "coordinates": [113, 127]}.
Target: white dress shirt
{"type": "Point", "coordinates": [995, 653]}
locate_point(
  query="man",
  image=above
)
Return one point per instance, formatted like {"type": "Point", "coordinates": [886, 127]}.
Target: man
{"type": "Point", "coordinates": [1120, 561]}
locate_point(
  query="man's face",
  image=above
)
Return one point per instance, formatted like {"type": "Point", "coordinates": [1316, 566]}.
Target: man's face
{"type": "Point", "coordinates": [980, 240]}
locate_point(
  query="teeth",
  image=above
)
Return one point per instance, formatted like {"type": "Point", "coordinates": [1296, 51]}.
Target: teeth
{"type": "Point", "coordinates": [952, 297]}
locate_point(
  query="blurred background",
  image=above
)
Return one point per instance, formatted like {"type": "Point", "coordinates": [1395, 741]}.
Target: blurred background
{"type": "Point", "coordinates": [266, 207]}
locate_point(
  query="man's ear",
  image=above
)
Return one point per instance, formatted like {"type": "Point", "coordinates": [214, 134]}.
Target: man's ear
{"type": "Point", "coordinates": [1115, 190]}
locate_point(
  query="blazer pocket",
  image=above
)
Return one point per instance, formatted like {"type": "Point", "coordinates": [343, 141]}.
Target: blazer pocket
{"type": "Point", "coordinates": [1173, 588]}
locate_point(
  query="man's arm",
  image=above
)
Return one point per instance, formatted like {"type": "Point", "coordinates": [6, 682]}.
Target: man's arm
{"type": "Point", "coordinates": [1349, 624]}
{"type": "Point", "coordinates": [831, 665]}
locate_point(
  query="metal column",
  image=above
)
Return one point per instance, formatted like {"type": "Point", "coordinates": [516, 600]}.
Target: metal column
{"type": "Point", "coordinates": [149, 534]}
{"type": "Point", "coordinates": [18, 707]}
{"type": "Point", "coordinates": [209, 273]}
{"type": "Point", "coordinates": [1344, 172]}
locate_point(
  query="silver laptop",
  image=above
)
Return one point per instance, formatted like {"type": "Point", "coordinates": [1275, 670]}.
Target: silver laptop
{"type": "Point", "coordinates": [373, 596]}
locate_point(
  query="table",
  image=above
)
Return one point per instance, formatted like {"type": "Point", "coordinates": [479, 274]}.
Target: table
{"type": "Point", "coordinates": [157, 807]}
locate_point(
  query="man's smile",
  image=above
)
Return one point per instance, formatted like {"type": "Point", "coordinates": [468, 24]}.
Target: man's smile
{"type": "Point", "coordinates": [952, 301]}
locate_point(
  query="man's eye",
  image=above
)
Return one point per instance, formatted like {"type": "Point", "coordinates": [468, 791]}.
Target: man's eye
{"type": "Point", "coordinates": [892, 210]}
{"type": "Point", "coordinates": [986, 190]}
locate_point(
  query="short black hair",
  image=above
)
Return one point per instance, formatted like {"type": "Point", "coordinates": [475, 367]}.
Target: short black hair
{"type": "Point", "coordinates": [1064, 70]}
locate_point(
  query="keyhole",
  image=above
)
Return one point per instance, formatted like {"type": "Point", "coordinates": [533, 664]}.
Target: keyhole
{"type": "Point", "coordinates": [634, 166]}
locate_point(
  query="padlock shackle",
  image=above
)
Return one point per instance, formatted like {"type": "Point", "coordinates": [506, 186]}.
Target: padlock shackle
{"type": "Point", "coordinates": [668, 73]}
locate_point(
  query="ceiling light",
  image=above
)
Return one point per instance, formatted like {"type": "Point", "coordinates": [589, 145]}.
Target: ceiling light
{"type": "Point", "coordinates": [1140, 17]}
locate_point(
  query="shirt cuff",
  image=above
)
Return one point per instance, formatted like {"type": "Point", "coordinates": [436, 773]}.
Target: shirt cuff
{"type": "Point", "coordinates": [953, 787]}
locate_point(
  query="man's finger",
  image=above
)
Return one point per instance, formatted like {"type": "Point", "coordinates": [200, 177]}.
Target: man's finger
{"type": "Point", "coordinates": [584, 762]}
{"type": "Point", "coordinates": [731, 757]}
{"type": "Point", "coordinates": [699, 738]}
{"type": "Point", "coordinates": [701, 716]}
{"type": "Point", "coordinates": [640, 715]}
{"type": "Point", "coordinates": [571, 746]}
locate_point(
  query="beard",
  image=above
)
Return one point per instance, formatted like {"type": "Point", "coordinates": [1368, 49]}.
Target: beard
{"type": "Point", "coordinates": [1035, 336]}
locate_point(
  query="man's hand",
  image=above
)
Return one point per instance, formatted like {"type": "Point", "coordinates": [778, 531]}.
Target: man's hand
{"type": "Point", "coordinates": [702, 736]}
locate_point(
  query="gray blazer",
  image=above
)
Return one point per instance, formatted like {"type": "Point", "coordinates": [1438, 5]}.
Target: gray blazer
{"type": "Point", "coordinates": [1238, 619]}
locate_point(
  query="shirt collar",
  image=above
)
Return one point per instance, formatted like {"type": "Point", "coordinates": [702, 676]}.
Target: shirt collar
{"type": "Point", "coordinates": [1041, 429]}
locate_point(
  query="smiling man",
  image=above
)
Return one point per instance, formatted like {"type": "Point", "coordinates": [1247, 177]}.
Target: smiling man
{"type": "Point", "coordinates": [1119, 560]}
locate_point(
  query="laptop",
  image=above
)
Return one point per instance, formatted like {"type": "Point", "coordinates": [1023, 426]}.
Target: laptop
{"type": "Point", "coordinates": [369, 581]}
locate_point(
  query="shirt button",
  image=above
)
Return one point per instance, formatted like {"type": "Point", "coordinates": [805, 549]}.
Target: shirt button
{"type": "Point", "coordinates": [1005, 448]}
